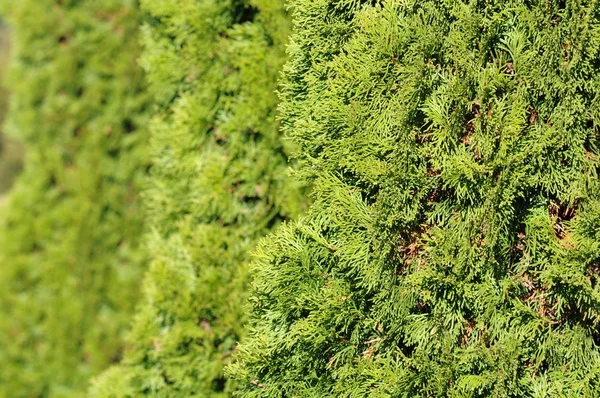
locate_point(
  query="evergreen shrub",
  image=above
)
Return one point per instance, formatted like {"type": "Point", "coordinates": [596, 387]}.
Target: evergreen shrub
{"type": "Point", "coordinates": [70, 258]}
{"type": "Point", "coordinates": [453, 249]}
{"type": "Point", "coordinates": [219, 181]}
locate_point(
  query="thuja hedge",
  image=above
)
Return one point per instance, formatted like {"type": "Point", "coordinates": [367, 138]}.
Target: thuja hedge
{"type": "Point", "coordinates": [69, 247]}
{"type": "Point", "coordinates": [454, 245]}
{"type": "Point", "coordinates": [219, 181]}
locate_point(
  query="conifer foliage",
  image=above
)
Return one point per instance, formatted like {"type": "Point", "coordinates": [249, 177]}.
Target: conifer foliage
{"type": "Point", "coordinates": [219, 181]}
{"type": "Point", "coordinates": [453, 248]}
{"type": "Point", "coordinates": [69, 233]}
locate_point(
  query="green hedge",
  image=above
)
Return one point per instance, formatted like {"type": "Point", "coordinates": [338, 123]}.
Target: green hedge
{"type": "Point", "coordinates": [220, 181]}
{"type": "Point", "coordinates": [69, 233]}
{"type": "Point", "coordinates": [454, 246]}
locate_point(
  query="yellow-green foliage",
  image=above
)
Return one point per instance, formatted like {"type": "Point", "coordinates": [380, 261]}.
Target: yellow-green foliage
{"type": "Point", "coordinates": [219, 182]}
{"type": "Point", "coordinates": [70, 261]}
{"type": "Point", "coordinates": [453, 249]}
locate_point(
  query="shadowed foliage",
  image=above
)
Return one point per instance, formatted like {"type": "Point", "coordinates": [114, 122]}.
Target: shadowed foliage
{"type": "Point", "coordinates": [10, 151]}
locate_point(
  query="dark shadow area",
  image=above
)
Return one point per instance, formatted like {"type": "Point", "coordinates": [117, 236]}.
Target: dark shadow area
{"type": "Point", "coordinates": [11, 153]}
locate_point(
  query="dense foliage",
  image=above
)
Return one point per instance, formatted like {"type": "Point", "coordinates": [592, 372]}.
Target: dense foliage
{"type": "Point", "coordinates": [70, 260]}
{"type": "Point", "coordinates": [219, 181]}
{"type": "Point", "coordinates": [454, 245]}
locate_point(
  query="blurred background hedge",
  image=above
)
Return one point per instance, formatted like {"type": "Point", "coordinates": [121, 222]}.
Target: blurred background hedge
{"type": "Point", "coordinates": [70, 253]}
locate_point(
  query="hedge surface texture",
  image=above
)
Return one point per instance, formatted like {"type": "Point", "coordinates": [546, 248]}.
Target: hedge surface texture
{"type": "Point", "coordinates": [70, 259]}
{"type": "Point", "coordinates": [453, 249]}
{"type": "Point", "coordinates": [220, 180]}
